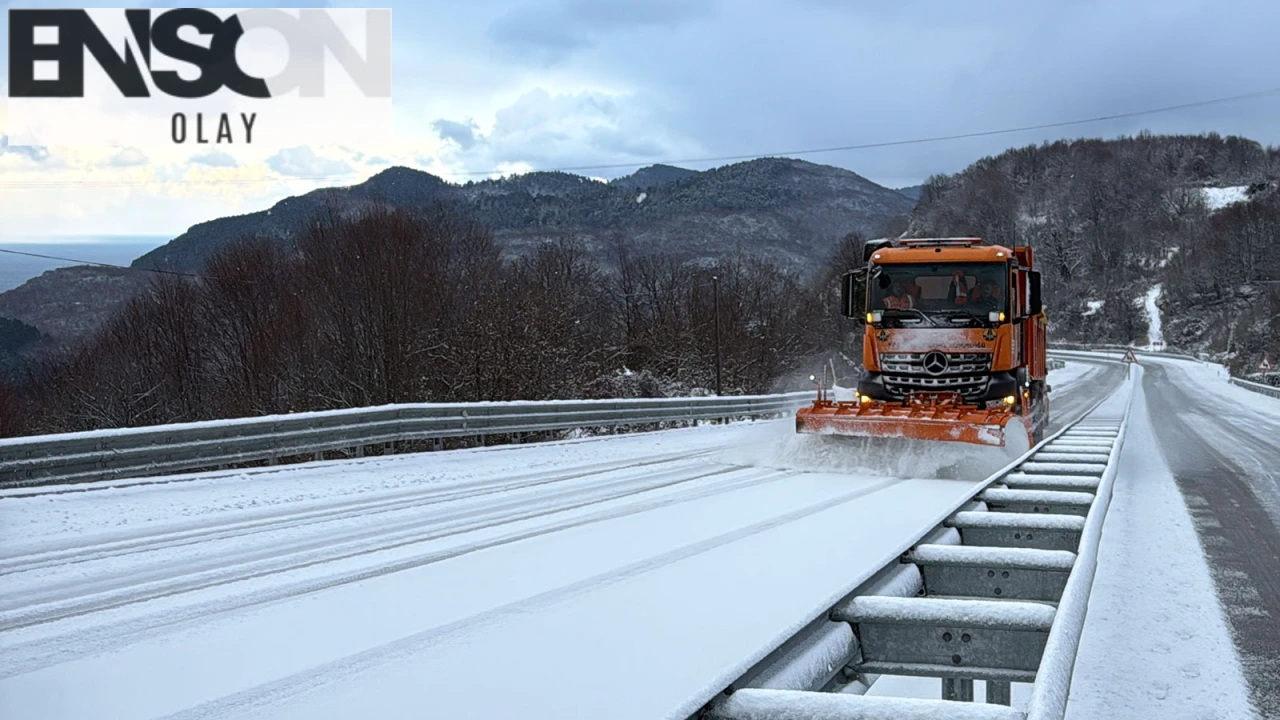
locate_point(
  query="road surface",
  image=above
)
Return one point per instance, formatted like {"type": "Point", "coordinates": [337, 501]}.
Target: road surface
{"type": "Point", "coordinates": [625, 577]}
{"type": "Point", "coordinates": [1222, 444]}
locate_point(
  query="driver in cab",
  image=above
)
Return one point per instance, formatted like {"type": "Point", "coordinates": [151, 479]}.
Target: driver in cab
{"type": "Point", "coordinates": [899, 298]}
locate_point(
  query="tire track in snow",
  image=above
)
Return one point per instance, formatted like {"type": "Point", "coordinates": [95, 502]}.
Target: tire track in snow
{"type": "Point", "coordinates": [77, 597]}
{"type": "Point", "coordinates": [274, 519]}
{"type": "Point", "coordinates": [260, 697]}
{"type": "Point", "coordinates": [17, 657]}
{"type": "Point", "coordinates": [1239, 538]}
{"type": "Point", "coordinates": [1072, 399]}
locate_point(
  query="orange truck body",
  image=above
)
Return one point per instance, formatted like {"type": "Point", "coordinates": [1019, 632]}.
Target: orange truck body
{"type": "Point", "coordinates": [953, 345]}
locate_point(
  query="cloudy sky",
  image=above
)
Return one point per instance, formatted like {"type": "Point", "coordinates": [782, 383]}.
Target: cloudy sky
{"type": "Point", "coordinates": [489, 86]}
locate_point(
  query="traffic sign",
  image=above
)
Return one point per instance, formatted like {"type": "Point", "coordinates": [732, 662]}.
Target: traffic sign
{"type": "Point", "coordinates": [1265, 365]}
{"type": "Point", "coordinates": [1129, 357]}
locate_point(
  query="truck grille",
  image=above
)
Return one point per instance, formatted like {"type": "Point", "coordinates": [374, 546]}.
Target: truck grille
{"type": "Point", "coordinates": [967, 373]}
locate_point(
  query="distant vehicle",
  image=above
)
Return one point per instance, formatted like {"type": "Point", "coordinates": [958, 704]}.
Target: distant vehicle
{"type": "Point", "coordinates": [953, 345]}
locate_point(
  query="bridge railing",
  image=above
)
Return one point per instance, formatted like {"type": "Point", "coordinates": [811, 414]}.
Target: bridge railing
{"type": "Point", "coordinates": [162, 449]}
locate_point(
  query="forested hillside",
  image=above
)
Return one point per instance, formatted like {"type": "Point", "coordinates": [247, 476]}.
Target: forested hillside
{"type": "Point", "coordinates": [789, 210]}
{"type": "Point", "coordinates": [1112, 219]}
{"type": "Point", "coordinates": [390, 306]}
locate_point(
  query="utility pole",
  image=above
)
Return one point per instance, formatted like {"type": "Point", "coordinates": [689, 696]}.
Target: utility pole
{"type": "Point", "coordinates": [715, 291]}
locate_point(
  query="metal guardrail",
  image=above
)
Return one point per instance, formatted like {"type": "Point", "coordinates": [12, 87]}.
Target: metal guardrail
{"type": "Point", "coordinates": [997, 591]}
{"type": "Point", "coordinates": [157, 450]}
{"type": "Point", "coordinates": [1261, 388]}
{"type": "Point", "coordinates": [167, 449]}
{"type": "Point", "coordinates": [1120, 349]}
{"type": "Point", "coordinates": [1257, 387]}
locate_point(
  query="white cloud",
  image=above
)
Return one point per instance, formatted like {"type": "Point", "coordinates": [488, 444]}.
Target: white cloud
{"type": "Point", "coordinates": [128, 157]}
{"type": "Point", "coordinates": [215, 159]}
{"type": "Point", "coordinates": [640, 82]}
{"type": "Point", "coordinates": [302, 161]}
{"type": "Point", "coordinates": [545, 130]}
{"type": "Point", "coordinates": [35, 153]}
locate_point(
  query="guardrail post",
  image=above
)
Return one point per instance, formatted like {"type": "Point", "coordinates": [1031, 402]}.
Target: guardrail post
{"type": "Point", "coordinates": [999, 693]}
{"type": "Point", "coordinates": [960, 689]}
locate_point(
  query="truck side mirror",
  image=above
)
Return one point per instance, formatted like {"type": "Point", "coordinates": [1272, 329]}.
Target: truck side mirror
{"type": "Point", "coordinates": [1037, 301]}
{"type": "Point", "coordinates": [852, 295]}
{"type": "Point", "coordinates": [870, 246]}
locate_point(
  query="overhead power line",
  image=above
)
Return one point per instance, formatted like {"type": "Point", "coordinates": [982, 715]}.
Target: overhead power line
{"type": "Point", "coordinates": [41, 184]}
{"type": "Point", "coordinates": [109, 265]}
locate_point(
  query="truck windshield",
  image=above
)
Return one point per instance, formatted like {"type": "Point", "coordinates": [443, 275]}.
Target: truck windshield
{"type": "Point", "coordinates": [942, 288]}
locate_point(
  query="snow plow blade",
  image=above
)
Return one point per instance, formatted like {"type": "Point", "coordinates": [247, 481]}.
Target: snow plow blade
{"type": "Point", "coordinates": [933, 420]}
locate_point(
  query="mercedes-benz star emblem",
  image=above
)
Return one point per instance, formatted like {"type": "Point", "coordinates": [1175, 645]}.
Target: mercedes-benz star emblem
{"type": "Point", "coordinates": [935, 363]}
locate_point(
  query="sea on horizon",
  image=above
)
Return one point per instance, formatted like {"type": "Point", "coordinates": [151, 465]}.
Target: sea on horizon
{"type": "Point", "coordinates": [16, 269]}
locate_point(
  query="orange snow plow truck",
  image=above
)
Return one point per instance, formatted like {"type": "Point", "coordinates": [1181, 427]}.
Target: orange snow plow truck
{"type": "Point", "coordinates": [953, 345]}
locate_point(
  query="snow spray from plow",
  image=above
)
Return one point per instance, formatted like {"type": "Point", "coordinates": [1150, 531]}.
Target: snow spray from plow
{"type": "Point", "coordinates": [882, 456]}
{"type": "Point", "coordinates": [949, 440]}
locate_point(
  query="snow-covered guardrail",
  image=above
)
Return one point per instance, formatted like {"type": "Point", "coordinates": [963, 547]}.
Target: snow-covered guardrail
{"type": "Point", "coordinates": [997, 592]}
{"type": "Point", "coordinates": [1246, 384]}
{"type": "Point", "coordinates": [157, 450]}
{"type": "Point", "coordinates": [1257, 387]}
{"type": "Point", "coordinates": [1058, 346]}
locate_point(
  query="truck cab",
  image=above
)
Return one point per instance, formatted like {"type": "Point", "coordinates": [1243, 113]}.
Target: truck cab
{"type": "Point", "coordinates": [950, 315]}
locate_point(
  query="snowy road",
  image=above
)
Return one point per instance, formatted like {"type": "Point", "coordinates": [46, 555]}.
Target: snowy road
{"type": "Point", "coordinates": [1222, 444]}
{"type": "Point", "coordinates": [621, 577]}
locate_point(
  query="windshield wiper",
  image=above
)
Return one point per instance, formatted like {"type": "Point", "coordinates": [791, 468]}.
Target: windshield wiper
{"type": "Point", "coordinates": [969, 313]}
{"type": "Point", "coordinates": [913, 311]}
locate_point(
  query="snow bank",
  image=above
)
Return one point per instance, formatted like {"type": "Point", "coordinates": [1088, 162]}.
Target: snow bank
{"type": "Point", "coordinates": [1155, 641]}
